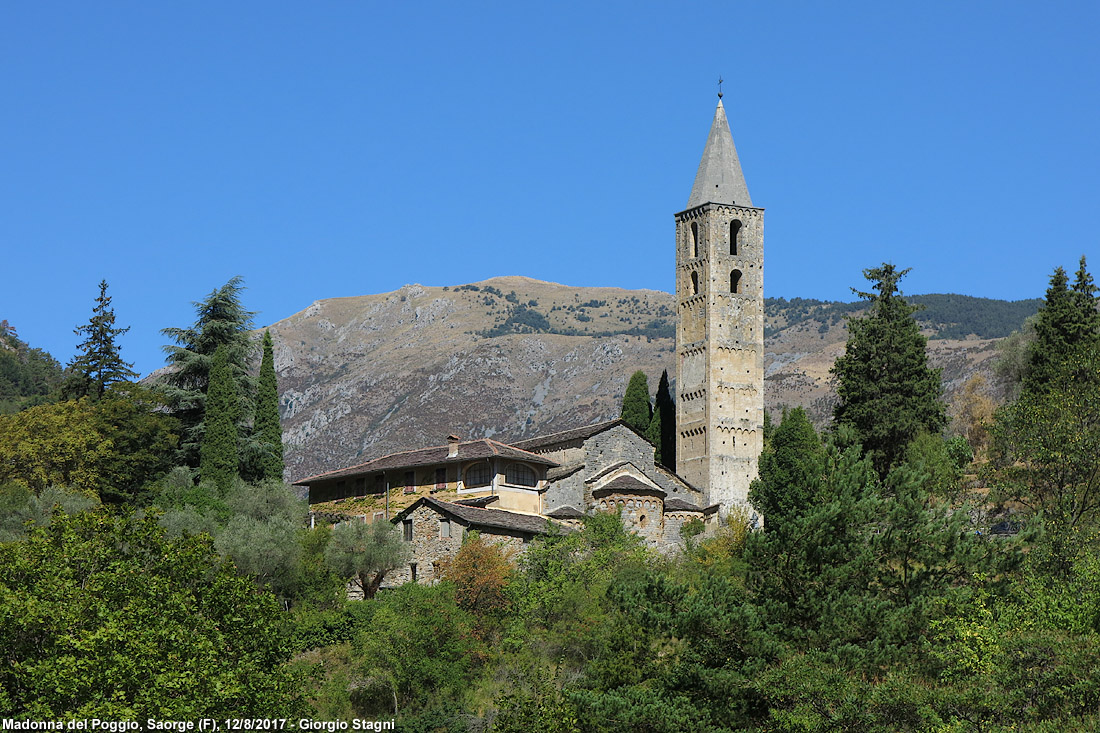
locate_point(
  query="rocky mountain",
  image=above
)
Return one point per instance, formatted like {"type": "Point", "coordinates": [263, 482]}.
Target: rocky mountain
{"type": "Point", "coordinates": [513, 357]}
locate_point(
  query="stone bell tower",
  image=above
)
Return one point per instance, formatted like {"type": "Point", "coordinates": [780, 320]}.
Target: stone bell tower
{"type": "Point", "coordinates": [720, 335]}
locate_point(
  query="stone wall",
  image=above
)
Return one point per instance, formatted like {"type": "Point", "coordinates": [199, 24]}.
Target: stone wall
{"type": "Point", "coordinates": [605, 449]}
{"type": "Point", "coordinates": [433, 553]}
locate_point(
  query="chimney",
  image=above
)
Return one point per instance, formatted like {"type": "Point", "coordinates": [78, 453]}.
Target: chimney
{"type": "Point", "coordinates": [452, 445]}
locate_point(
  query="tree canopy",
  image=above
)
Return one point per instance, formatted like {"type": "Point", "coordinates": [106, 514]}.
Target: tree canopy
{"type": "Point", "coordinates": [637, 411]}
{"type": "Point", "coordinates": [269, 432]}
{"type": "Point", "coordinates": [886, 390]}
{"type": "Point", "coordinates": [220, 321]}
{"type": "Point", "coordinates": [104, 617]}
{"type": "Point", "coordinates": [365, 553]}
{"type": "Point", "coordinates": [99, 363]}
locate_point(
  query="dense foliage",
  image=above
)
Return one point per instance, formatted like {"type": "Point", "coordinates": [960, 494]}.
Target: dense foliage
{"type": "Point", "coordinates": [218, 451]}
{"type": "Point", "coordinates": [662, 426]}
{"type": "Point", "coordinates": [887, 393]}
{"type": "Point", "coordinates": [104, 617]}
{"type": "Point", "coordinates": [99, 363]}
{"type": "Point", "coordinates": [636, 410]}
{"type": "Point", "coordinates": [947, 316]}
{"type": "Point", "coordinates": [269, 433]}
{"type": "Point", "coordinates": [27, 375]}
{"type": "Point", "coordinates": [221, 320]}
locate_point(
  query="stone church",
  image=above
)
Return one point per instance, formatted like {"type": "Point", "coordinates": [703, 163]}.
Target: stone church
{"type": "Point", "coordinates": [512, 493]}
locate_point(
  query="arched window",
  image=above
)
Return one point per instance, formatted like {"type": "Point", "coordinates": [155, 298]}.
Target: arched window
{"type": "Point", "coordinates": [735, 229]}
{"type": "Point", "coordinates": [478, 474]}
{"type": "Point", "coordinates": [518, 474]}
{"type": "Point", "coordinates": [694, 283]}
{"type": "Point", "coordinates": [735, 281]}
{"type": "Point", "coordinates": [694, 239]}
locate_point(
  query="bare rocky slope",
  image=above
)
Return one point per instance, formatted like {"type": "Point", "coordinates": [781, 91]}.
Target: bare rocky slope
{"type": "Point", "coordinates": [512, 357]}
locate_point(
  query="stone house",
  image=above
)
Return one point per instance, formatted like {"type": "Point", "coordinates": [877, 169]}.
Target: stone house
{"type": "Point", "coordinates": [437, 528]}
{"type": "Point", "coordinates": [513, 493]}
{"type": "Point", "coordinates": [610, 467]}
{"type": "Point", "coordinates": [456, 470]}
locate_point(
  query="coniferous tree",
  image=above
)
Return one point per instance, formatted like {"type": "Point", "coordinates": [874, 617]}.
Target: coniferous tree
{"type": "Point", "coordinates": [1067, 320]}
{"type": "Point", "coordinates": [99, 363]}
{"type": "Point", "coordinates": [887, 392]}
{"type": "Point", "coordinates": [790, 471]}
{"type": "Point", "coordinates": [636, 408]}
{"type": "Point", "coordinates": [221, 320]}
{"type": "Point", "coordinates": [664, 410]}
{"type": "Point", "coordinates": [268, 430]}
{"type": "Point", "coordinates": [219, 451]}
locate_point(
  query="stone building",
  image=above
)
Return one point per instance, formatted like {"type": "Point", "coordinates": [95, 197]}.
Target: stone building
{"type": "Point", "coordinates": [720, 329]}
{"type": "Point", "coordinates": [512, 493]}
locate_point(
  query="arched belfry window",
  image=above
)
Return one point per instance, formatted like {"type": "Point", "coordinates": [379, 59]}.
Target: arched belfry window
{"type": "Point", "coordinates": [735, 229]}
{"type": "Point", "coordinates": [694, 283]}
{"type": "Point", "coordinates": [694, 239]}
{"type": "Point", "coordinates": [735, 281]}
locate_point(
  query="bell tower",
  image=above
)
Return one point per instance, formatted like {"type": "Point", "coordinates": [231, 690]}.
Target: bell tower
{"type": "Point", "coordinates": [720, 333]}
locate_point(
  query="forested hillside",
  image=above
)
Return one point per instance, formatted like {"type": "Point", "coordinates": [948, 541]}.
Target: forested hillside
{"type": "Point", "coordinates": [27, 375]}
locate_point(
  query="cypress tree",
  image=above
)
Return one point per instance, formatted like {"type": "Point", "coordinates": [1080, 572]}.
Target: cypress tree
{"type": "Point", "coordinates": [268, 430]}
{"type": "Point", "coordinates": [218, 456]}
{"type": "Point", "coordinates": [99, 363]}
{"type": "Point", "coordinates": [790, 471]}
{"type": "Point", "coordinates": [636, 409]}
{"type": "Point", "coordinates": [887, 392]}
{"type": "Point", "coordinates": [662, 426]}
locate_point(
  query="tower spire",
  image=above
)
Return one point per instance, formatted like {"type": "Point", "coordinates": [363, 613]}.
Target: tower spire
{"type": "Point", "coordinates": [719, 179]}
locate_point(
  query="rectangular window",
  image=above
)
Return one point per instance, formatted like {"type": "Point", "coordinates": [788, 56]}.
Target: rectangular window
{"type": "Point", "coordinates": [440, 478]}
{"type": "Point", "coordinates": [407, 529]}
{"type": "Point", "coordinates": [379, 483]}
{"type": "Point", "coordinates": [412, 571]}
{"type": "Point", "coordinates": [410, 485]}
{"type": "Point", "coordinates": [379, 515]}
{"type": "Point", "coordinates": [444, 529]}
{"type": "Point", "coordinates": [340, 488]}
{"type": "Point", "coordinates": [360, 485]}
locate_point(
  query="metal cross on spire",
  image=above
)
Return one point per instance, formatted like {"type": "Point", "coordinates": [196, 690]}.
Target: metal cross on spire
{"type": "Point", "coordinates": [720, 80]}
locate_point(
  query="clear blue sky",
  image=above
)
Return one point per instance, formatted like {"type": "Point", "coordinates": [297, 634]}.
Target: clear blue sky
{"type": "Point", "coordinates": [329, 149]}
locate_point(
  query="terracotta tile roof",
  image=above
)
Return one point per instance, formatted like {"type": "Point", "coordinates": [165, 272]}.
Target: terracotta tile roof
{"type": "Point", "coordinates": [436, 455]}
{"type": "Point", "coordinates": [567, 436]}
{"type": "Point", "coordinates": [479, 517]}
{"type": "Point", "coordinates": [628, 485]}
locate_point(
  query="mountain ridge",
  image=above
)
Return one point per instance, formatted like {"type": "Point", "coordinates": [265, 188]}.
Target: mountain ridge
{"type": "Point", "coordinates": [511, 357]}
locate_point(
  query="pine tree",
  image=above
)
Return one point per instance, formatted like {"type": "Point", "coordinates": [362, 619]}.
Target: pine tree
{"type": "Point", "coordinates": [218, 455]}
{"type": "Point", "coordinates": [887, 392]}
{"type": "Point", "coordinates": [636, 409]}
{"type": "Point", "coordinates": [221, 320]}
{"type": "Point", "coordinates": [268, 430]}
{"type": "Point", "coordinates": [99, 363]}
{"type": "Point", "coordinates": [1067, 319]}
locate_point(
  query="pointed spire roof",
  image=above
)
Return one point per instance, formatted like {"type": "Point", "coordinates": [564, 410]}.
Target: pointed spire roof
{"type": "Point", "coordinates": [719, 179]}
